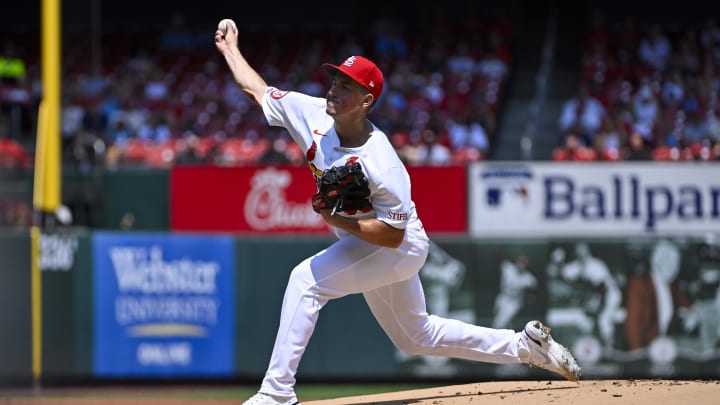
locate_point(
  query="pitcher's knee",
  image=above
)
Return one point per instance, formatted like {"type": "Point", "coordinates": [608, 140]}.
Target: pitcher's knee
{"type": "Point", "coordinates": [301, 276]}
{"type": "Point", "coordinates": [415, 345]}
{"type": "Point", "coordinates": [414, 348]}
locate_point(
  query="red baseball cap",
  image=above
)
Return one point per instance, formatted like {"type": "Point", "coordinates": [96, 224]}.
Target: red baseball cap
{"type": "Point", "coordinates": [363, 71]}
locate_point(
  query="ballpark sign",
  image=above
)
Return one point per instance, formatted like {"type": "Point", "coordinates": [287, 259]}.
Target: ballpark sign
{"type": "Point", "coordinates": [594, 199]}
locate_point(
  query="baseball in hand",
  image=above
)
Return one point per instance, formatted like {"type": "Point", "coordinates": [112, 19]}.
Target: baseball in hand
{"type": "Point", "coordinates": [225, 23]}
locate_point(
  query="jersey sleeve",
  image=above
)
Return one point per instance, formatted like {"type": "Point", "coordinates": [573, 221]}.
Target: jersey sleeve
{"type": "Point", "coordinates": [293, 111]}
{"type": "Point", "coordinates": [391, 201]}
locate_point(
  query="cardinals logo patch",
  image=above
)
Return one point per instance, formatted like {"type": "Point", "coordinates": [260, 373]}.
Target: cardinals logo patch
{"type": "Point", "coordinates": [310, 154]}
{"type": "Point", "coordinates": [278, 94]}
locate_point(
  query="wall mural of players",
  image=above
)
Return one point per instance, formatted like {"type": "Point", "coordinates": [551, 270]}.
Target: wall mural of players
{"type": "Point", "coordinates": [646, 307]}
{"type": "Point", "coordinates": [496, 285]}
{"type": "Point", "coordinates": [641, 306]}
{"type": "Point", "coordinates": [515, 279]}
{"type": "Point", "coordinates": [584, 295]}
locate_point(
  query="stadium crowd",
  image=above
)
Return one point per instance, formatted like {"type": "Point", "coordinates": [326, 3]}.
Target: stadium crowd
{"type": "Point", "coordinates": [647, 92]}
{"type": "Point", "coordinates": [168, 101]}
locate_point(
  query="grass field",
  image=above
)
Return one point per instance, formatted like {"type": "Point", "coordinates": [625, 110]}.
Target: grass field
{"type": "Point", "coordinates": [314, 391]}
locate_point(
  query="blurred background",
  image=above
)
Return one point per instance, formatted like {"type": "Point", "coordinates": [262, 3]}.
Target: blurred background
{"type": "Point", "coordinates": [580, 140]}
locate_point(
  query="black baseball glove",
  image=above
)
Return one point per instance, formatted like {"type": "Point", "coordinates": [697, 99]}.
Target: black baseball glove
{"type": "Point", "coordinates": [342, 188]}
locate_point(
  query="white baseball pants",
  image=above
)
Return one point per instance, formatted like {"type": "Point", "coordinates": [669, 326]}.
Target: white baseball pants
{"type": "Point", "coordinates": [389, 281]}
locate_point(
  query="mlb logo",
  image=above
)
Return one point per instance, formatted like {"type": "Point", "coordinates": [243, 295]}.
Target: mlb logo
{"type": "Point", "coordinates": [493, 196]}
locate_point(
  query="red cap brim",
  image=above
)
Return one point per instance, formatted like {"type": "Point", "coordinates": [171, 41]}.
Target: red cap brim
{"type": "Point", "coordinates": [333, 69]}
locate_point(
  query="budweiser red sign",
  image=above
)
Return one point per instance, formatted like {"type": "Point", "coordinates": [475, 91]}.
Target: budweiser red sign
{"type": "Point", "coordinates": [276, 199]}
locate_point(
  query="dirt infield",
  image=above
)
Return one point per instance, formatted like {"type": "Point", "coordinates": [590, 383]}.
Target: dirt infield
{"type": "Point", "coordinates": [593, 392]}
{"type": "Point", "coordinates": [588, 392]}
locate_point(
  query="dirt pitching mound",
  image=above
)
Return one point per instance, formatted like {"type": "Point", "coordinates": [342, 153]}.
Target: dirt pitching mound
{"type": "Point", "coordinates": [555, 392]}
{"type": "Point", "coordinates": [588, 392]}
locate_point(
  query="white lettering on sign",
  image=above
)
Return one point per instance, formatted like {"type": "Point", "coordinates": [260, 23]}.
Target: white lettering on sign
{"type": "Point", "coordinates": [558, 199]}
{"type": "Point", "coordinates": [139, 269]}
{"type": "Point", "coordinates": [164, 354]}
{"type": "Point", "coordinates": [267, 208]}
{"type": "Point", "coordinates": [57, 252]}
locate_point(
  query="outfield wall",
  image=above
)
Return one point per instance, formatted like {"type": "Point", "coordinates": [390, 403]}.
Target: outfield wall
{"type": "Point", "coordinates": [158, 304]}
{"type": "Point", "coordinates": [153, 292]}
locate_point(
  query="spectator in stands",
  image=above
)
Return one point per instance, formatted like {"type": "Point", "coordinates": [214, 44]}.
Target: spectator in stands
{"type": "Point", "coordinates": [433, 89]}
{"type": "Point", "coordinates": [492, 66]}
{"type": "Point", "coordinates": [637, 148]}
{"type": "Point", "coordinates": [663, 151]}
{"type": "Point", "coordinates": [156, 130]}
{"type": "Point", "coordinates": [655, 48]}
{"type": "Point", "coordinates": [693, 102]}
{"type": "Point", "coordinates": [12, 153]}
{"type": "Point", "coordinates": [696, 128]}
{"type": "Point", "coordinates": [71, 122]}
{"type": "Point", "coordinates": [119, 133]}
{"type": "Point", "coordinates": [111, 101]}
{"type": "Point", "coordinates": [92, 85]}
{"type": "Point", "coordinates": [608, 141]}
{"type": "Point", "coordinates": [187, 152]}
{"type": "Point", "coordinates": [673, 88]}
{"type": "Point", "coordinates": [715, 151]}
{"type": "Point", "coordinates": [12, 66]}
{"type": "Point", "coordinates": [133, 113]}
{"type": "Point", "coordinates": [431, 151]}
{"type": "Point", "coordinates": [713, 121]}
{"type": "Point", "coordinates": [400, 139]}
{"type": "Point", "coordinates": [141, 62]}
{"type": "Point", "coordinates": [573, 149]}
{"type": "Point", "coordinates": [582, 114]}
{"type": "Point", "coordinates": [645, 106]}
{"type": "Point", "coordinates": [118, 137]}
{"type": "Point", "coordinates": [466, 132]}
{"type": "Point", "coordinates": [156, 90]}
{"type": "Point", "coordinates": [89, 144]}
{"type": "Point", "coordinates": [462, 61]}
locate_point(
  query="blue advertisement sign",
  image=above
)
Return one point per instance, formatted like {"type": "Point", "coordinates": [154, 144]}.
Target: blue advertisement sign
{"type": "Point", "coordinates": [163, 305]}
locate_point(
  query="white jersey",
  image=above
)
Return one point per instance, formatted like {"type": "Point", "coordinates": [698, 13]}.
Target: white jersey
{"type": "Point", "coordinates": [314, 131]}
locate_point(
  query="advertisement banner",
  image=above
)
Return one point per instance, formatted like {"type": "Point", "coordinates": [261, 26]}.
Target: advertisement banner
{"type": "Point", "coordinates": [593, 199]}
{"type": "Point", "coordinates": [269, 199]}
{"type": "Point", "coordinates": [258, 199]}
{"type": "Point", "coordinates": [163, 305]}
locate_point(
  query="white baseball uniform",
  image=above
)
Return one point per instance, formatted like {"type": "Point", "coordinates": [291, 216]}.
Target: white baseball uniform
{"type": "Point", "coordinates": [387, 278]}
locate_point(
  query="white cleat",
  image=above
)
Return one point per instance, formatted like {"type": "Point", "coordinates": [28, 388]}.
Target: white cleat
{"type": "Point", "coordinates": [545, 353]}
{"type": "Point", "coordinates": [267, 399]}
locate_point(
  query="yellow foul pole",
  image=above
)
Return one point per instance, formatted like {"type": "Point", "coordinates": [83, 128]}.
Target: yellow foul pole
{"type": "Point", "coordinates": [46, 187]}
